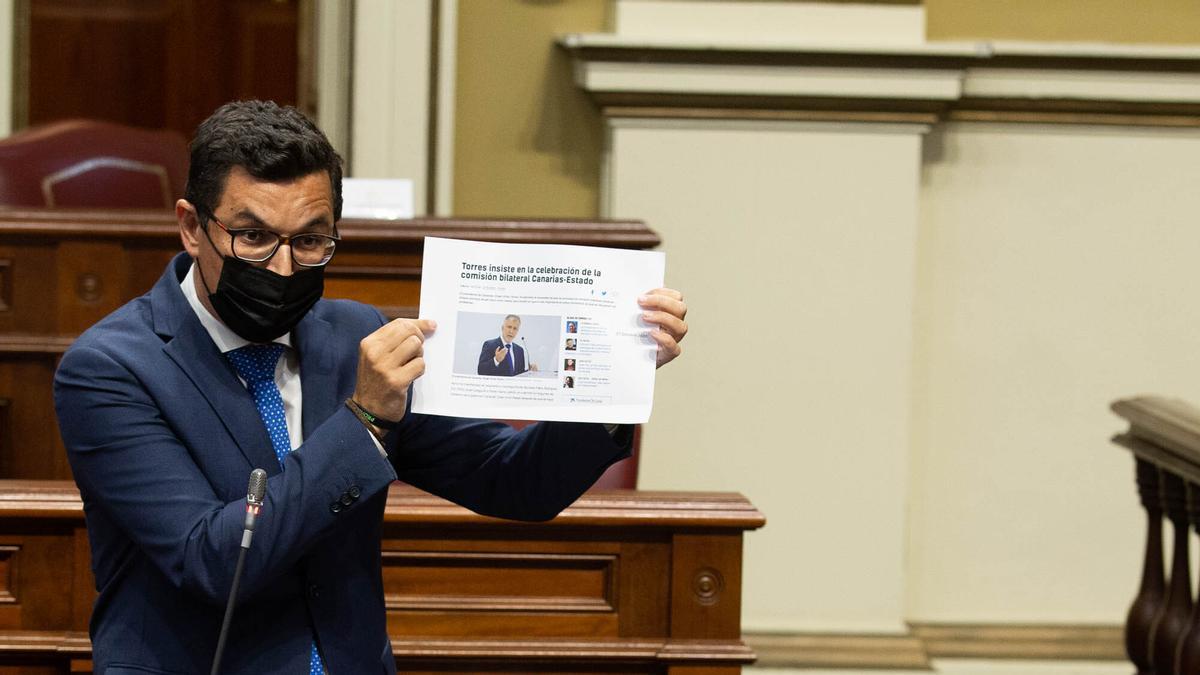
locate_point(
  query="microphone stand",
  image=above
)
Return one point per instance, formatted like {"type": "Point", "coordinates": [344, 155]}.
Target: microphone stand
{"type": "Point", "coordinates": [528, 362]}
{"type": "Point", "coordinates": [254, 501]}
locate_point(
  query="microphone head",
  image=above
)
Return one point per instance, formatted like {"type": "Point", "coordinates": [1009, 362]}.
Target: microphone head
{"type": "Point", "coordinates": [257, 489]}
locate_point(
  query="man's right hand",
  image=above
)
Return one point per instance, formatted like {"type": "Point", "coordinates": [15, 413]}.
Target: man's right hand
{"type": "Point", "coordinates": [388, 361]}
{"type": "Point", "coordinates": [501, 354]}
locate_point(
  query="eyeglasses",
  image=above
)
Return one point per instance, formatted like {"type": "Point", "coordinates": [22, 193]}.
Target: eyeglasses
{"type": "Point", "coordinates": [309, 249]}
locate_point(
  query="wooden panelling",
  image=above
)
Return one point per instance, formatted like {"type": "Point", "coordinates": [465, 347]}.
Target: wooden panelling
{"type": "Point", "coordinates": [706, 585]}
{"type": "Point", "coordinates": [566, 583]}
{"type": "Point", "coordinates": [644, 591]}
{"type": "Point", "coordinates": [8, 573]}
{"type": "Point", "coordinates": [550, 587]}
{"type": "Point", "coordinates": [30, 446]}
{"type": "Point", "coordinates": [466, 594]}
{"type": "Point", "coordinates": [5, 285]}
{"type": "Point", "coordinates": [29, 286]}
{"type": "Point", "coordinates": [87, 289]}
{"type": "Point", "coordinates": [156, 63]}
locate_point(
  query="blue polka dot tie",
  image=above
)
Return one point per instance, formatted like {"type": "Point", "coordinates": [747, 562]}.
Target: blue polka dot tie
{"type": "Point", "coordinates": [256, 365]}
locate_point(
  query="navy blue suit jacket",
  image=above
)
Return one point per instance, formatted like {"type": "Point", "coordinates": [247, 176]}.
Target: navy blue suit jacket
{"type": "Point", "coordinates": [487, 359]}
{"type": "Point", "coordinates": [162, 437]}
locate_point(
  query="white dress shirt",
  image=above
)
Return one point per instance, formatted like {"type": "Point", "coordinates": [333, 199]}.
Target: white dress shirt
{"type": "Point", "coordinates": [287, 371]}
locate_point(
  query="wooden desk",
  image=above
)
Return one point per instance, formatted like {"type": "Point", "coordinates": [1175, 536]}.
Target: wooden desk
{"type": "Point", "coordinates": [621, 582]}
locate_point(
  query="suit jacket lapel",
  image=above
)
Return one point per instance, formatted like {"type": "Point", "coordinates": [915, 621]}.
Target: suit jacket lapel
{"type": "Point", "coordinates": [313, 340]}
{"type": "Point", "coordinates": [191, 348]}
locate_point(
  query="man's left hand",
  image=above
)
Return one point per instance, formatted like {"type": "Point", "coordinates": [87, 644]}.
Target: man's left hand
{"type": "Point", "coordinates": [664, 308]}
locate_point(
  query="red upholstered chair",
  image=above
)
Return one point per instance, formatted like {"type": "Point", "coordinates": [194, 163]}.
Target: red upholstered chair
{"type": "Point", "coordinates": [87, 163]}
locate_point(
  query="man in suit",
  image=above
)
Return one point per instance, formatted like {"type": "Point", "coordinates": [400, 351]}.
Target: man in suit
{"type": "Point", "coordinates": [502, 356]}
{"type": "Point", "coordinates": [233, 361]}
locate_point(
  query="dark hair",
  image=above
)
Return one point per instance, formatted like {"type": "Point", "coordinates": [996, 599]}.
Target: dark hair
{"type": "Point", "coordinates": [270, 142]}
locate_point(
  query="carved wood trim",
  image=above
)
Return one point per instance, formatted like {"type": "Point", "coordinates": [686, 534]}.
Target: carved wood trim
{"type": "Point", "coordinates": [374, 272]}
{"type": "Point", "coordinates": [75, 645]}
{"type": "Point", "coordinates": [631, 77]}
{"type": "Point", "coordinates": [1172, 424]}
{"type": "Point", "coordinates": [7, 454]}
{"type": "Point", "coordinates": [837, 650]}
{"type": "Point", "coordinates": [613, 649]}
{"type": "Point", "coordinates": [940, 55]}
{"type": "Point", "coordinates": [548, 562]}
{"type": "Point", "coordinates": [408, 505]}
{"type": "Point", "coordinates": [41, 498]}
{"type": "Point", "coordinates": [154, 225]}
{"type": "Point", "coordinates": [6, 280]}
{"type": "Point", "coordinates": [43, 643]}
{"type": "Point", "coordinates": [1050, 116]}
{"type": "Point", "coordinates": [14, 344]}
{"type": "Point", "coordinates": [1150, 116]}
{"type": "Point", "coordinates": [495, 603]}
{"type": "Point", "coordinates": [912, 651]}
{"type": "Point", "coordinates": [993, 641]}
{"type": "Point", "coordinates": [9, 569]}
{"type": "Point", "coordinates": [601, 507]}
{"type": "Point", "coordinates": [759, 114]}
{"type": "Point", "coordinates": [923, 642]}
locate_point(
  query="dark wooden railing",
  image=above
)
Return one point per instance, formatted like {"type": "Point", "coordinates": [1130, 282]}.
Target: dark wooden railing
{"type": "Point", "coordinates": [1162, 629]}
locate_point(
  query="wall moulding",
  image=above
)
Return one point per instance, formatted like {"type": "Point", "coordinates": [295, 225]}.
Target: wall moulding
{"type": "Point", "coordinates": [987, 82]}
{"type": "Point", "coordinates": [924, 642]}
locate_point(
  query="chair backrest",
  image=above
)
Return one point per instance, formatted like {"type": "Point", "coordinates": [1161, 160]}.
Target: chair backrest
{"type": "Point", "coordinates": [93, 164]}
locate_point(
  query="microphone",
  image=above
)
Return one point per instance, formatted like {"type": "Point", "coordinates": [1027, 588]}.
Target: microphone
{"type": "Point", "coordinates": [255, 492]}
{"type": "Point", "coordinates": [528, 363]}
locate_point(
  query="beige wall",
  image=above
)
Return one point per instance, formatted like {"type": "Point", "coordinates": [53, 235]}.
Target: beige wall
{"type": "Point", "coordinates": [527, 141]}
{"type": "Point", "coordinates": [923, 418]}
{"type": "Point", "coordinates": [1054, 276]}
{"type": "Point", "coordinates": [1164, 21]}
{"type": "Point", "coordinates": [794, 386]}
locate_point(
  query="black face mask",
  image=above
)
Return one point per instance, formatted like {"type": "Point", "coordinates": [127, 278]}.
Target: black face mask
{"type": "Point", "coordinates": [261, 305]}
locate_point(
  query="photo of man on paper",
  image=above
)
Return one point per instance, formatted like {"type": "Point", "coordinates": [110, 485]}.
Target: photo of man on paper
{"type": "Point", "coordinates": [500, 355]}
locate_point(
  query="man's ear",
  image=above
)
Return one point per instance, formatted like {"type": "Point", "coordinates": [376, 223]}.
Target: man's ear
{"type": "Point", "coordinates": [189, 227]}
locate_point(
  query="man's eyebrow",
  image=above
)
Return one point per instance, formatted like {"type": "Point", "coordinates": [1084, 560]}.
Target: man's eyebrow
{"type": "Point", "coordinates": [247, 214]}
{"type": "Point", "coordinates": [258, 222]}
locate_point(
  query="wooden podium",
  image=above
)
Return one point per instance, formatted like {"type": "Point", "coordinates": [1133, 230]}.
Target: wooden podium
{"type": "Point", "coordinates": [624, 581]}
{"type": "Point", "coordinates": [621, 582]}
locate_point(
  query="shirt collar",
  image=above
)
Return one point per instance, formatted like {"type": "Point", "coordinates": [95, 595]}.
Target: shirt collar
{"type": "Point", "coordinates": [224, 337]}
